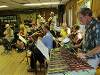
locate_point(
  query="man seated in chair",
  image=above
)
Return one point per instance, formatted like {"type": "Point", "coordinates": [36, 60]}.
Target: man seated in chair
{"type": "Point", "coordinates": [9, 36]}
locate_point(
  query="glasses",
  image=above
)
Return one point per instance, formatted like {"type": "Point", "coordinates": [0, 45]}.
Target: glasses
{"type": "Point", "coordinates": [81, 17]}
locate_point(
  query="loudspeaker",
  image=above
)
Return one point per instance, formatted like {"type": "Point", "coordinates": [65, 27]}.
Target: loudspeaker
{"type": "Point", "coordinates": [61, 10]}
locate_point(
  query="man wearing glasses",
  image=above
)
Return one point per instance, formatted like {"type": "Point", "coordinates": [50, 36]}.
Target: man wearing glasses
{"type": "Point", "coordinates": [91, 41]}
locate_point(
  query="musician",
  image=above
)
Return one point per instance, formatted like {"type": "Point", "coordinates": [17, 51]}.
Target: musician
{"type": "Point", "coordinates": [36, 54]}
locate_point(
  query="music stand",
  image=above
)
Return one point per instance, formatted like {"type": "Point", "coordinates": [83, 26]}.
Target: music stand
{"type": "Point", "coordinates": [25, 42]}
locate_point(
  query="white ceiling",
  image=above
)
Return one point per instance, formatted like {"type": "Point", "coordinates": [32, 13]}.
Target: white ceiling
{"type": "Point", "coordinates": [18, 4]}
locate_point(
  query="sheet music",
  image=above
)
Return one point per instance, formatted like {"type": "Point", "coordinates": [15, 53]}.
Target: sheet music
{"type": "Point", "coordinates": [22, 39]}
{"type": "Point", "coordinates": [44, 50]}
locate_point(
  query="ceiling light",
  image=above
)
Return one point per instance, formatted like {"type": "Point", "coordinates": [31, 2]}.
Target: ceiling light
{"type": "Point", "coordinates": [39, 4]}
{"type": "Point", "coordinates": [3, 6]}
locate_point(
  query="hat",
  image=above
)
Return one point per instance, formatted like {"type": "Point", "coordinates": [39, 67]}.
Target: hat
{"type": "Point", "coordinates": [7, 25]}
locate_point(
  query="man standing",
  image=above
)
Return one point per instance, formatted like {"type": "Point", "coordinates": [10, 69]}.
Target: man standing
{"type": "Point", "coordinates": [91, 41]}
{"type": "Point", "coordinates": [48, 38]}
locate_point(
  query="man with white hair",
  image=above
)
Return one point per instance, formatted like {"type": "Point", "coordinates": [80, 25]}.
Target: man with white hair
{"type": "Point", "coordinates": [8, 37]}
{"type": "Point", "coordinates": [8, 33]}
{"type": "Point", "coordinates": [91, 41]}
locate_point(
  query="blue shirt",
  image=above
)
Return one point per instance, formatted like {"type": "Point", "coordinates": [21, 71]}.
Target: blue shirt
{"type": "Point", "coordinates": [48, 40]}
{"type": "Point", "coordinates": [92, 36]}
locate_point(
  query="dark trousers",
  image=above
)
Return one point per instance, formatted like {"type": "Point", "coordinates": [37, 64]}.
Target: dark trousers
{"type": "Point", "coordinates": [36, 56]}
{"type": "Point", "coordinates": [6, 44]}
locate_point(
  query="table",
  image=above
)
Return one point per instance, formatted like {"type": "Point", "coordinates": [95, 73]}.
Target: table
{"type": "Point", "coordinates": [62, 62]}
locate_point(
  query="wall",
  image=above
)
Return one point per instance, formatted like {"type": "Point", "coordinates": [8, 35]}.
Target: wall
{"type": "Point", "coordinates": [75, 6]}
{"type": "Point", "coordinates": [96, 7]}
{"type": "Point", "coordinates": [71, 5]}
{"type": "Point", "coordinates": [27, 13]}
